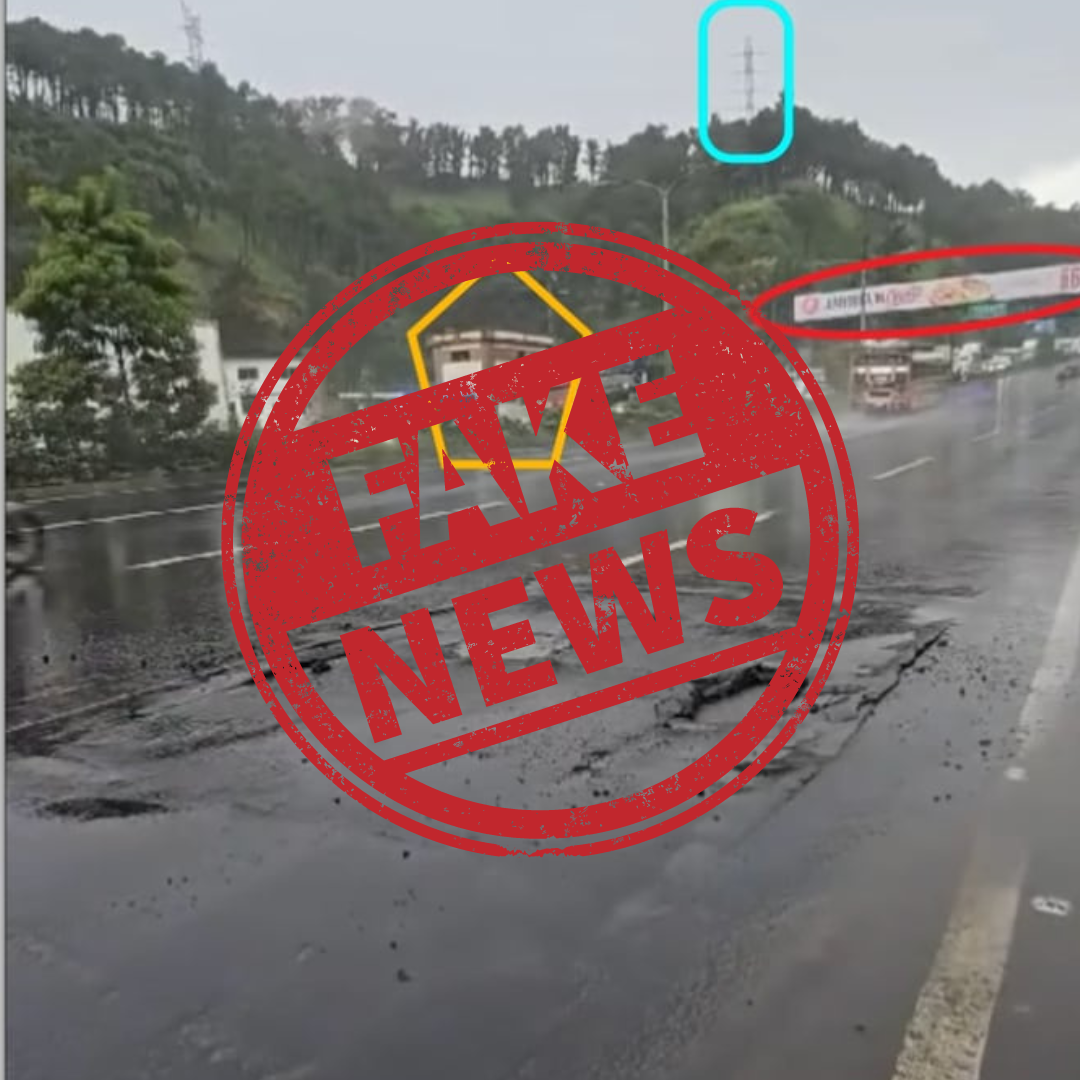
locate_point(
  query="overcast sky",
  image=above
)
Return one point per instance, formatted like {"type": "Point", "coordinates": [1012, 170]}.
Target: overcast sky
{"type": "Point", "coordinates": [987, 87]}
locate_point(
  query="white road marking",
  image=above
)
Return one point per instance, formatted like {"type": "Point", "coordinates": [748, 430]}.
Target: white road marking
{"type": "Point", "coordinates": [1058, 661]}
{"type": "Point", "coordinates": [917, 463]}
{"type": "Point", "coordinates": [1052, 905]}
{"type": "Point", "coordinates": [353, 467]}
{"type": "Point", "coordinates": [678, 545]}
{"type": "Point", "coordinates": [946, 1037]}
{"type": "Point", "coordinates": [633, 560]}
{"type": "Point", "coordinates": [135, 515]}
{"type": "Point", "coordinates": [175, 560]}
{"type": "Point", "coordinates": [986, 435]}
{"type": "Point", "coordinates": [1017, 773]}
{"type": "Point", "coordinates": [55, 692]}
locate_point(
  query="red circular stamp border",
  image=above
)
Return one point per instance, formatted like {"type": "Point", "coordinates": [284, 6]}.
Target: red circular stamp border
{"type": "Point", "coordinates": [698, 806]}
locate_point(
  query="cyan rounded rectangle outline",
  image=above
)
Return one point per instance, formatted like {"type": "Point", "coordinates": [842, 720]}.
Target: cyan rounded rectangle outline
{"type": "Point", "coordinates": [704, 137]}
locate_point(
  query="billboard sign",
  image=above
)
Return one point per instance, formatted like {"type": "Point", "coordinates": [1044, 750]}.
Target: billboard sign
{"type": "Point", "coordinates": [998, 288]}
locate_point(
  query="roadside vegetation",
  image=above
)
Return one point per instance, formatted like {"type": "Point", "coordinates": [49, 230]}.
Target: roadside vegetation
{"type": "Point", "coordinates": [142, 195]}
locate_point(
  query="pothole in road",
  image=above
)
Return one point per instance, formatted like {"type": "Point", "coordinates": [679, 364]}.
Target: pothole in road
{"type": "Point", "coordinates": [545, 646]}
{"type": "Point", "coordinates": [686, 702]}
{"type": "Point", "coordinates": [693, 717]}
{"type": "Point", "coordinates": [94, 808]}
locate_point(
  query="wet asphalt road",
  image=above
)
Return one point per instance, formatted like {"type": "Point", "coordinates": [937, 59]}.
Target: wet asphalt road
{"type": "Point", "coordinates": [255, 923]}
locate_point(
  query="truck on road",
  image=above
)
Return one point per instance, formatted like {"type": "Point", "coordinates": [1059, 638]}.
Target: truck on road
{"type": "Point", "coordinates": [894, 376]}
{"type": "Point", "coordinates": [884, 386]}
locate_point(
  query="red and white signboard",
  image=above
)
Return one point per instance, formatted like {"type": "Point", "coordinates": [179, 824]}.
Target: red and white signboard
{"type": "Point", "coordinates": [1029, 284]}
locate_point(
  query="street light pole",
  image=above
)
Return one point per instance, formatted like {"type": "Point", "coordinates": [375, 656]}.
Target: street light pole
{"type": "Point", "coordinates": [862, 277]}
{"type": "Point", "coordinates": [664, 192]}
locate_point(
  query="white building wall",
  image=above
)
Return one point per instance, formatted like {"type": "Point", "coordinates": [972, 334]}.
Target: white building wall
{"type": "Point", "coordinates": [212, 369]}
{"type": "Point", "coordinates": [456, 369]}
{"type": "Point", "coordinates": [20, 348]}
{"type": "Point", "coordinates": [236, 381]}
{"type": "Point", "coordinates": [244, 378]}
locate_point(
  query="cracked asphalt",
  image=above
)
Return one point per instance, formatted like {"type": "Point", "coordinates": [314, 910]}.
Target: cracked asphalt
{"type": "Point", "coordinates": [189, 898]}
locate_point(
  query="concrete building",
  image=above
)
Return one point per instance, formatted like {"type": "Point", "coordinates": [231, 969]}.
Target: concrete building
{"type": "Point", "coordinates": [454, 355]}
{"type": "Point", "coordinates": [457, 354]}
{"type": "Point", "coordinates": [212, 369]}
{"type": "Point", "coordinates": [243, 377]}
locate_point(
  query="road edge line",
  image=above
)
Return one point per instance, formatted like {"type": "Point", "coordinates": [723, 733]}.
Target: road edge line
{"type": "Point", "coordinates": [946, 1037]}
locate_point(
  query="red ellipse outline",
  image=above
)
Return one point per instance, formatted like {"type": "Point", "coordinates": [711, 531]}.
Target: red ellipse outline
{"type": "Point", "coordinates": [934, 330]}
{"type": "Point", "coordinates": [696, 808]}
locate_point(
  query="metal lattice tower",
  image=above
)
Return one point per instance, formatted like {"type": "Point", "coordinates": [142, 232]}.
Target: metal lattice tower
{"type": "Point", "coordinates": [193, 33]}
{"type": "Point", "coordinates": [748, 76]}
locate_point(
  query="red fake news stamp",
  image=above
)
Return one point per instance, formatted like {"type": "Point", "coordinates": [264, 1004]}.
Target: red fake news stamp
{"type": "Point", "coordinates": [302, 565]}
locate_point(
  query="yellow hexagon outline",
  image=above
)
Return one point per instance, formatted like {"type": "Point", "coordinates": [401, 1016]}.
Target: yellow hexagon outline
{"type": "Point", "coordinates": [421, 324]}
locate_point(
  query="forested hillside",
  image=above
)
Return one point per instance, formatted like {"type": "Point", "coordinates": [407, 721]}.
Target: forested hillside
{"type": "Point", "coordinates": [278, 204]}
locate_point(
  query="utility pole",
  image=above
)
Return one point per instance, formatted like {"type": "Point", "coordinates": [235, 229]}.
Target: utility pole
{"type": "Point", "coordinates": [663, 191]}
{"type": "Point", "coordinates": [192, 26]}
{"type": "Point", "coordinates": [862, 311]}
{"type": "Point", "coordinates": [749, 77]}
{"type": "Point", "coordinates": [862, 278]}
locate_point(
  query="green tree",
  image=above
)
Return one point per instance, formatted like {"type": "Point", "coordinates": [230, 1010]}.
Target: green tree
{"type": "Point", "coordinates": [486, 155]}
{"type": "Point", "coordinates": [325, 189]}
{"type": "Point", "coordinates": [56, 429]}
{"type": "Point", "coordinates": [750, 244]}
{"type": "Point", "coordinates": [255, 315]}
{"type": "Point", "coordinates": [114, 322]}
